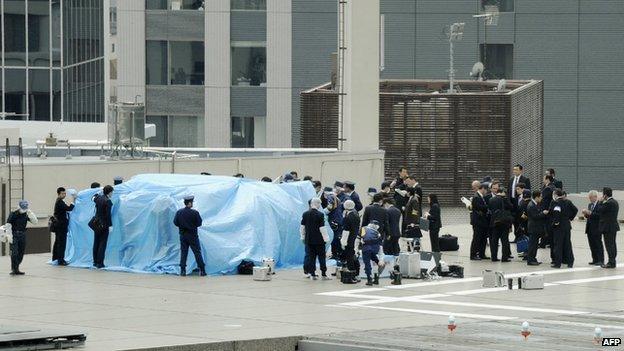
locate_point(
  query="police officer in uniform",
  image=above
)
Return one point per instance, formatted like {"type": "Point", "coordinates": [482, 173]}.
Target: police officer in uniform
{"type": "Point", "coordinates": [371, 239]}
{"type": "Point", "coordinates": [188, 220]}
{"type": "Point", "coordinates": [18, 220]}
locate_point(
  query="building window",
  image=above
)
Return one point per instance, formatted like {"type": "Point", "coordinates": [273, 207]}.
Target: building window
{"type": "Point", "coordinates": [155, 4]}
{"type": "Point", "coordinates": [248, 64]}
{"type": "Point", "coordinates": [15, 33]}
{"type": "Point", "coordinates": [15, 93]}
{"type": "Point", "coordinates": [242, 132]}
{"type": "Point", "coordinates": [187, 62]}
{"type": "Point", "coordinates": [177, 131]}
{"type": "Point", "coordinates": [498, 60]}
{"type": "Point", "coordinates": [156, 65]}
{"type": "Point", "coordinates": [249, 5]}
{"type": "Point", "coordinates": [39, 94]}
{"type": "Point", "coordinates": [174, 5]}
{"type": "Point", "coordinates": [497, 5]}
{"type": "Point", "coordinates": [174, 63]}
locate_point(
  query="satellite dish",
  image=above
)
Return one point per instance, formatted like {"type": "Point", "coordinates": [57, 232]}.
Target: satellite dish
{"type": "Point", "coordinates": [477, 71]}
{"type": "Point", "coordinates": [502, 85]}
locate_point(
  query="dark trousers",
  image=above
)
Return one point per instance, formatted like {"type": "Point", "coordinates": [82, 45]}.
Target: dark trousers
{"type": "Point", "coordinates": [533, 245]}
{"type": "Point", "coordinates": [367, 257]}
{"type": "Point", "coordinates": [191, 240]}
{"type": "Point", "coordinates": [17, 250]}
{"type": "Point", "coordinates": [610, 245]}
{"type": "Point", "coordinates": [316, 252]}
{"type": "Point", "coordinates": [391, 246]}
{"type": "Point", "coordinates": [348, 256]}
{"type": "Point", "coordinates": [306, 260]}
{"type": "Point", "coordinates": [500, 233]}
{"type": "Point", "coordinates": [479, 241]}
{"type": "Point", "coordinates": [99, 246]}
{"type": "Point", "coordinates": [60, 242]}
{"type": "Point", "coordinates": [595, 246]}
{"type": "Point", "coordinates": [562, 247]}
{"type": "Point", "coordinates": [336, 246]}
{"type": "Point", "coordinates": [434, 236]}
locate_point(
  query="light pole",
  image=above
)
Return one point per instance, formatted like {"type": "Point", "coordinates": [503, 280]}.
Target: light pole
{"type": "Point", "coordinates": [455, 33]}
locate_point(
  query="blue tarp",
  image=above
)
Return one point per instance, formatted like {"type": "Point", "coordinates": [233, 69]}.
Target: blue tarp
{"type": "Point", "coordinates": [242, 219]}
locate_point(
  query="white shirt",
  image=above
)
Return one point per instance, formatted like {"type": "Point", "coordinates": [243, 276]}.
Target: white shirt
{"type": "Point", "coordinates": [513, 187]}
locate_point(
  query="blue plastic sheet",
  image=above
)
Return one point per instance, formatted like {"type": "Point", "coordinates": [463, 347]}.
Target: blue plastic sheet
{"type": "Point", "coordinates": [242, 219]}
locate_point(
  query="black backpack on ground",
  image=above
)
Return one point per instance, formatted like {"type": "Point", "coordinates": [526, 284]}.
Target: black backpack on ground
{"type": "Point", "coordinates": [245, 267]}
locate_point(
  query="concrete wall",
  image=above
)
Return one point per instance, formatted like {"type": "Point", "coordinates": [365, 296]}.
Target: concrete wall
{"type": "Point", "coordinates": [42, 177]}
{"type": "Point", "coordinates": [32, 131]}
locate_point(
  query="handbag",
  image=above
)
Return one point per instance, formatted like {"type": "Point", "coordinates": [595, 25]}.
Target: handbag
{"type": "Point", "coordinates": [502, 216]}
{"type": "Point", "coordinates": [53, 224]}
{"type": "Point", "coordinates": [95, 224]}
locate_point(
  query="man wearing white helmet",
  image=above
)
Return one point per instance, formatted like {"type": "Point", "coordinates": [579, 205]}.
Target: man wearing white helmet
{"type": "Point", "coordinates": [18, 220]}
{"type": "Point", "coordinates": [372, 242]}
{"type": "Point", "coordinates": [314, 235]}
{"type": "Point", "coordinates": [351, 229]}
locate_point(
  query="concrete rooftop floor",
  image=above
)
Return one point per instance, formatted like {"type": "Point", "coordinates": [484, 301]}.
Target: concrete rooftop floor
{"type": "Point", "coordinates": [125, 311]}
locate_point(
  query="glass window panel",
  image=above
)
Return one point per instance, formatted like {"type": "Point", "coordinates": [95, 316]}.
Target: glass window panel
{"type": "Point", "coordinates": [248, 4]}
{"type": "Point", "coordinates": [187, 62]}
{"type": "Point", "coordinates": [56, 33]}
{"type": "Point", "coordinates": [161, 139]}
{"type": "Point", "coordinates": [248, 65]}
{"type": "Point", "coordinates": [156, 65]}
{"type": "Point", "coordinates": [155, 4]}
{"type": "Point", "coordinates": [15, 33]}
{"type": "Point", "coordinates": [39, 94]}
{"type": "Point", "coordinates": [500, 5]}
{"type": "Point", "coordinates": [15, 92]}
{"type": "Point", "coordinates": [184, 131]}
{"type": "Point", "coordinates": [39, 32]}
{"type": "Point", "coordinates": [187, 4]}
{"type": "Point", "coordinates": [242, 132]}
{"type": "Point", "coordinates": [56, 95]}
{"type": "Point", "coordinates": [498, 60]}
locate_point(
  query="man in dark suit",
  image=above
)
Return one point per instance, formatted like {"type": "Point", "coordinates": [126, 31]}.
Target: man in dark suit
{"type": "Point", "coordinates": [517, 203]}
{"type": "Point", "coordinates": [376, 211]}
{"type": "Point", "coordinates": [608, 224]}
{"type": "Point", "coordinates": [480, 224]}
{"type": "Point", "coordinates": [562, 211]}
{"type": "Point", "coordinates": [513, 195]}
{"type": "Point", "coordinates": [391, 245]}
{"type": "Point", "coordinates": [547, 196]}
{"type": "Point", "coordinates": [535, 226]}
{"type": "Point", "coordinates": [399, 186]}
{"type": "Point", "coordinates": [498, 205]}
{"type": "Point", "coordinates": [592, 229]}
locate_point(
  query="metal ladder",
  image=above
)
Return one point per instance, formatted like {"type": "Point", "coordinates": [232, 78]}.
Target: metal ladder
{"type": "Point", "coordinates": [16, 173]}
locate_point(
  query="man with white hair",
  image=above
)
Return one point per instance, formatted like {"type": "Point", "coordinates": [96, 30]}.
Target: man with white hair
{"type": "Point", "coordinates": [314, 235]}
{"type": "Point", "coordinates": [18, 220]}
{"type": "Point", "coordinates": [592, 229]}
{"type": "Point", "coordinates": [351, 229]}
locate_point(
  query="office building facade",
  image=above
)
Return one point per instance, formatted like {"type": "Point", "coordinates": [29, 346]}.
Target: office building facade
{"type": "Point", "coordinates": [258, 55]}
{"type": "Point", "coordinates": [52, 60]}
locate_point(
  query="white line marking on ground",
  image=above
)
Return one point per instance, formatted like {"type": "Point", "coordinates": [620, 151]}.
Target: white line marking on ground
{"type": "Point", "coordinates": [577, 324]}
{"type": "Point", "coordinates": [590, 280]}
{"type": "Point", "coordinates": [442, 313]}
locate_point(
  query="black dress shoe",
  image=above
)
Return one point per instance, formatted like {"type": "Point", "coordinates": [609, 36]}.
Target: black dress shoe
{"type": "Point", "coordinates": [598, 264]}
{"type": "Point", "coordinates": [495, 260]}
{"type": "Point", "coordinates": [182, 272]}
{"type": "Point", "coordinates": [62, 263]}
{"type": "Point", "coordinates": [505, 260]}
{"type": "Point", "coordinates": [533, 263]}
{"type": "Point", "coordinates": [485, 258]}
{"type": "Point", "coordinates": [202, 273]}
{"type": "Point", "coordinates": [608, 265]}
{"type": "Point", "coordinates": [475, 258]}
{"type": "Point", "coordinates": [555, 266]}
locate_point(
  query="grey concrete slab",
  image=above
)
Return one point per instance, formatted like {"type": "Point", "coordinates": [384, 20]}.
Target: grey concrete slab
{"type": "Point", "coordinates": [130, 311]}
